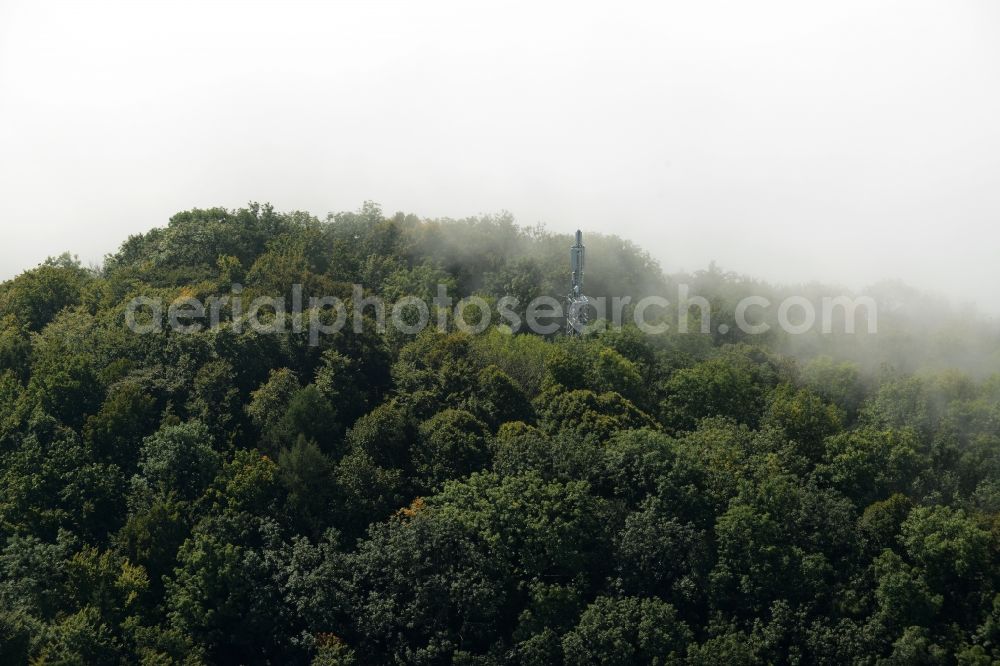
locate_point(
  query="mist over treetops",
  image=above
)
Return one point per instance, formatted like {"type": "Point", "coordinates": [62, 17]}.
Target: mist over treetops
{"type": "Point", "coordinates": [238, 497]}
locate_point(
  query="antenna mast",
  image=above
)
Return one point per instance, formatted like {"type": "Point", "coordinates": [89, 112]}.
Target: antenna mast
{"type": "Point", "coordinates": [576, 302]}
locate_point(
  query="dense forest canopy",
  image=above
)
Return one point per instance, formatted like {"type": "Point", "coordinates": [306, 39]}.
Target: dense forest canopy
{"type": "Point", "coordinates": [232, 497]}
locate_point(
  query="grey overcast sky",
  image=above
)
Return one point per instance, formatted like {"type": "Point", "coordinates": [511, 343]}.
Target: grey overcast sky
{"type": "Point", "coordinates": [845, 141]}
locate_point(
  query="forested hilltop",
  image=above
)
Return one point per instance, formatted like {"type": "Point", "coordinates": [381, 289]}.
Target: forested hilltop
{"type": "Point", "coordinates": [236, 497]}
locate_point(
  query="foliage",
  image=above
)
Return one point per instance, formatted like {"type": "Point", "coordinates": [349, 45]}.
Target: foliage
{"type": "Point", "coordinates": [228, 496]}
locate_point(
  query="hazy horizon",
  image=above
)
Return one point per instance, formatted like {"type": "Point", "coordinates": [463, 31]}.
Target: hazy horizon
{"type": "Point", "coordinates": [849, 143]}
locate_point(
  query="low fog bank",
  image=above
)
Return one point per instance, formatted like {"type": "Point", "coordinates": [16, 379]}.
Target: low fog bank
{"type": "Point", "coordinates": [897, 328]}
{"type": "Point", "coordinates": [904, 330]}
